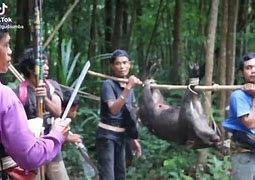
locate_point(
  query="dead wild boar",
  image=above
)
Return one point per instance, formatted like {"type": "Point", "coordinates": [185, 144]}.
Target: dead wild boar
{"type": "Point", "coordinates": [184, 125]}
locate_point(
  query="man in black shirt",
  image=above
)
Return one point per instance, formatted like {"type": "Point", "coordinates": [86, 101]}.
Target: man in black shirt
{"type": "Point", "coordinates": [111, 134]}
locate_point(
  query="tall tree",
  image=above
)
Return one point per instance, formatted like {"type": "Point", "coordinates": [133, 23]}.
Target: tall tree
{"type": "Point", "coordinates": [244, 17]}
{"type": "Point", "coordinates": [231, 41]}
{"type": "Point", "coordinates": [78, 20]}
{"type": "Point", "coordinates": [25, 9]}
{"type": "Point", "coordinates": [116, 38]}
{"type": "Point", "coordinates": [202, 9]}
{"type": "Point", "coordinates": [60, 36]}
{"type": "Point", "coordinates": [139, 39]}
{"type": "Point", "coordinates": [108, 25]}
{"type": "Point", "coordinates": [222, 58]}
{"type": "Point", "coordinates": [210, 44]}
{"type": "Point", "coordinates": [177, 60]}
{"type": "Point", "coordinates": [125, 30]}
{"type": "Point", "coordinates": [92, 42]}
{"type": "Point", "coordinates": [154, 30]}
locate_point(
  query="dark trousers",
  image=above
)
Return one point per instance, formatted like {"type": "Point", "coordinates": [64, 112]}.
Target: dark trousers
{"type": "Point", "coordinates": [111, 159]}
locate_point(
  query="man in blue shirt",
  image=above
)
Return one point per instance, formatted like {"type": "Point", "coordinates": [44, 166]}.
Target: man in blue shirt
{"type": "Point", "coordinates": [241, 121]}
{"type": "Point", "coordinates": [111, 134]}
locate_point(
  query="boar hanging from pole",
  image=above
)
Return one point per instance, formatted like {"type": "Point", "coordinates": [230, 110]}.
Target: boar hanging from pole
{"type": "Point", "coordinates": [185, 125]}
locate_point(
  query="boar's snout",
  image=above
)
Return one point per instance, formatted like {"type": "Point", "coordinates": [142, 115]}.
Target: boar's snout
{"type": "Point", "coordinates": [215, 140]}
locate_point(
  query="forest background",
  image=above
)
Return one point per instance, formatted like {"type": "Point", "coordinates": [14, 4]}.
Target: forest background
{"type": "Point", "coordinates": [176, 32]}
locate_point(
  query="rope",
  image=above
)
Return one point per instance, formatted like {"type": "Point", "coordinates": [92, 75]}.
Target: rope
{"type": "Point", "coordinates": [194, 81]}
{"type": "Point", "coordinates": [214, 124]}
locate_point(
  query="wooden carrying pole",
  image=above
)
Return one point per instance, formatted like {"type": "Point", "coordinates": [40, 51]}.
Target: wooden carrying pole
{"type": "Point", "coordinates": [16, 73]}
{"type": "Point", "coordinates": [215, 87]}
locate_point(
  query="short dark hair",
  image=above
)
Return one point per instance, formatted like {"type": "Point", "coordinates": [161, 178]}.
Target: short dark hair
{"type": "Point", "coordinates": [246, 57]}
{"type": "Point", "coordinates": [118, 53]}
{"type": "Point", "coordinates": [4, 28]}
{"type": "Point", "coordinates": [27, 61]}
{"type": "Point", "coordinates": [67, 93]}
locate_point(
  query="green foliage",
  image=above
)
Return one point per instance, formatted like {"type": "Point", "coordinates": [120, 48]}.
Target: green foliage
{"type": "Point", "coordinates": [13, 85]}
{"type": "Point", "coordinates": [219, 169]}
{"type": "Point", "coordinates": [160, 160]}
{"type": "Point", "coordinates": [151, 163]}
{"type": "Point", "coordinates": [163, 160]}
{"type": "Point", "coordinates": [85, 124]}
{"type": "Point", "coordinates": [67, 63]}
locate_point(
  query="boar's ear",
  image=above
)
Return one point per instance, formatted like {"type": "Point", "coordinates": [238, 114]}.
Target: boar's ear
{"type": "Point", "coordinates": [201, 70]}
{"type": "Point", "coordinates": [152, 66]}
{"type": "Point", "coordinates": [194, 70]}
{"type": "Point", "coordinates": [190, 67]}
{"type": "Point", "coordinates": [191, 70]}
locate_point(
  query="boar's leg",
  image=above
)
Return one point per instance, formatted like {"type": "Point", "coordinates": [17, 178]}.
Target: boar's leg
{"type": "Point", "coordinates": [197, 127]}
{"type": "Point", "coordinates": [146, 105]}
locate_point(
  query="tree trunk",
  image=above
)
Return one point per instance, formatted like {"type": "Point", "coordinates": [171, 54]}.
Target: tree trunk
{"type": "Point", "coordinates": [125, 24]}
{"type": "Point", "coordinates": [202, 10]}
{"type": "Point", "coordinates": [116, 39]}
{"type": "Point", "coordinates": [92, 43]}
{"type": "Point", "coordinates": [168, 59]}
{"type": "Point", "coordinates": [231, 42]}
{"type": "Point", "coordinates": [108, 25]}
{"type": "Point", "coordinates": [177, 60]}
{"type": "Point", "coordinates": [209, 65]}
{"type": "Point", "coordinates": [242, 28]}
{"type": "Point", "coordinates": [243, 15]}
{"type": "Point", "coordinates": [25, 8]}
{"type": "Point", "coordinates": [210, 52]}
{"type": "Point", "coordinates": [222, 60]}
{"type": "Point", "coordinates": [139, 38]}
{"type": "Point", "coordinates": [156, 24]}
{"type": "Point", "coordinates": [76, 21]}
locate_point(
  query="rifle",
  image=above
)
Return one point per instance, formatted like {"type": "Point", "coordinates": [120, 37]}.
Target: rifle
{"type": "Point", "coordinates": [38, 66]}
{"type": "Point", "coordinates": [38, 57]}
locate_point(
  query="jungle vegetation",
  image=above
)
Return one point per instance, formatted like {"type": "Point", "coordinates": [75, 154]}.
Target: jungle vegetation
{"type": "Point", "coordinates": [215, 34]}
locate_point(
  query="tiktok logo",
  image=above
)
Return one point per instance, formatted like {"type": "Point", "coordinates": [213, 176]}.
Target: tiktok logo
{"type": "Point", "coordinates": [2, 9]}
